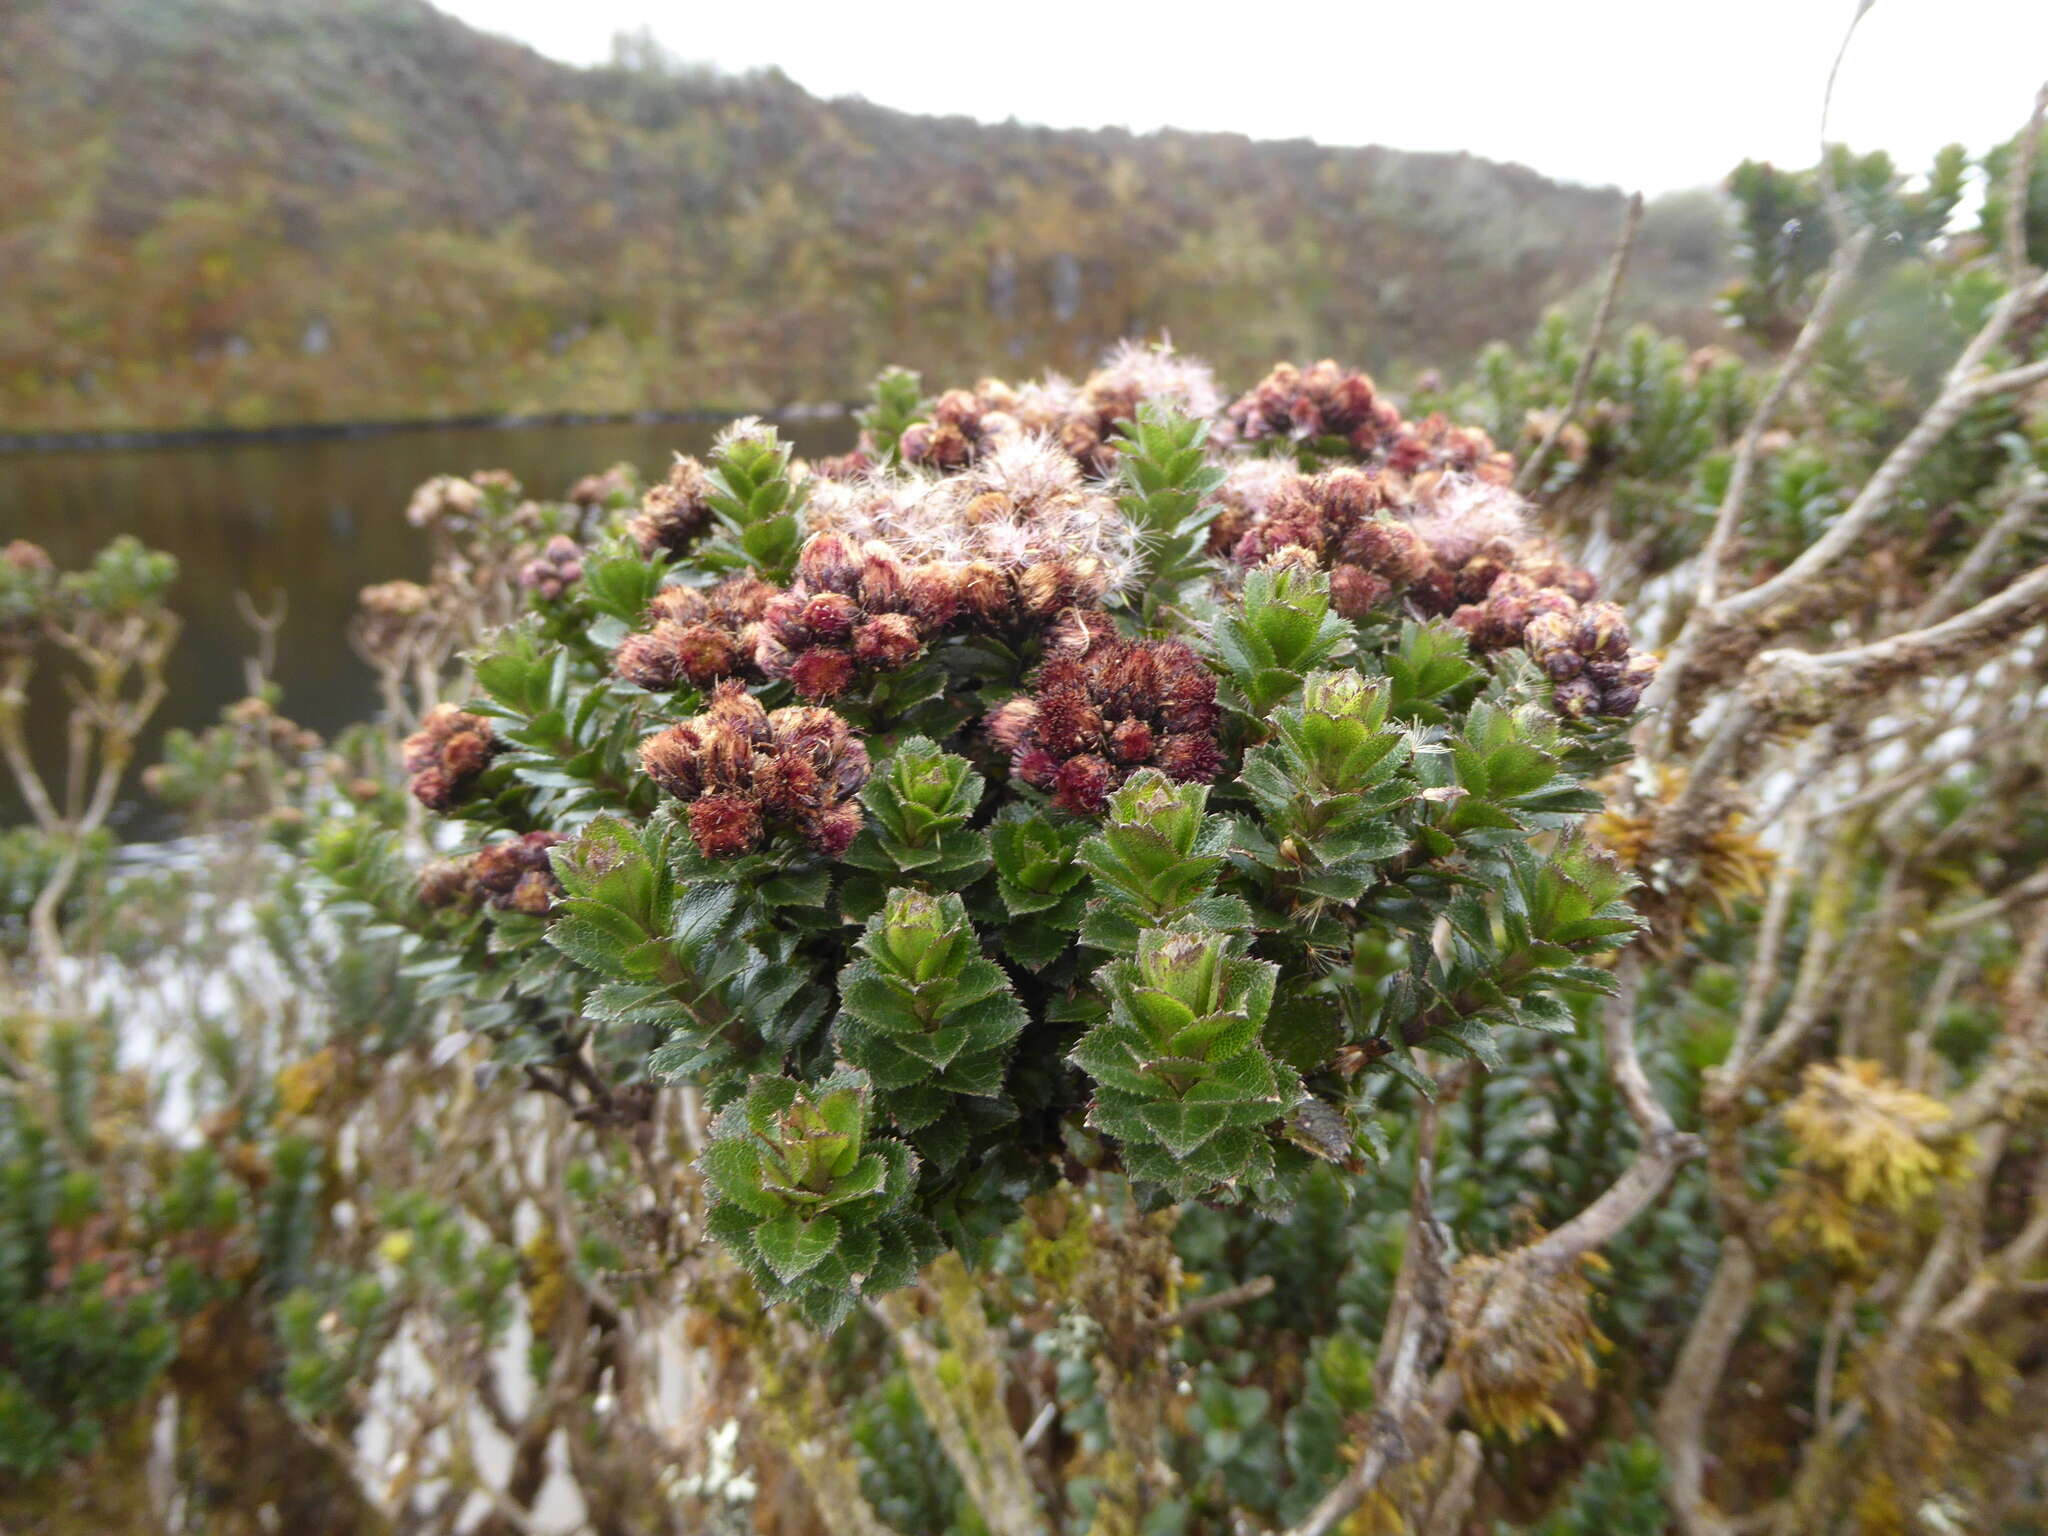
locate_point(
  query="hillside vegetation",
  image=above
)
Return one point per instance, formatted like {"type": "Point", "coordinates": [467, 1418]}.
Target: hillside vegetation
{"type": "Point", "coordinates": [243, 212]}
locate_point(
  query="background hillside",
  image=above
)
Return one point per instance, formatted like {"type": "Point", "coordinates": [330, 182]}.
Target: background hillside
{"type": "Point", "coordinates": [258, 211]}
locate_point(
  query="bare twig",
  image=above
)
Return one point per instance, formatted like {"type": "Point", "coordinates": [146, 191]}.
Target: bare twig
{"type": "Point", "coordinates": [976, 1435]}
{"type": "Point", "coordinates": [14, 743]}
{"type": "Point", "coordinates": [1623, 1064]}
{"type": "Point", "coordinates": [1234, 1296]}
{"type": "Point", "coordinates": [1531, 474]}
{"type": "Point", "coordinates": [1831, 195]}
{"type": "Point", "coordinates": [1763, 964]}
{"type": "Point", "coordinates": [1839, 1315]}
{"type": "Point", "coordinates": [1682, 1415]}
{"type": "Point", "coordinates": [1895, 657]}
{"type": "Point", "coordinates": [1454, 1500]}
{"type": "Point", "coordinates": [2032, 886]}
{"type": "Point", "coordinates": [1950, 596]}
{"type": "Point", "coordinates": [1728, 517]}
{"type": "Point", "coordinates": [1408, 1345]}
{"type": "Point", "coordinates": [1964, 386]}
{"type": "Point", "coordinates": [2019, 184]}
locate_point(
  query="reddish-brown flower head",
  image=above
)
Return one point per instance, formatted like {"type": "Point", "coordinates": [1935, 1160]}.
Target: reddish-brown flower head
{"type": "Point", "coordinates": [446, 755]}
{"type": "Point", "coordinates": [1098, 713]}
{"type": "Point", "coordinates": [853, 606]}
{"type": "Point", "coordinates": [676, 513]}
{"type": "Point", "coordinates": [698, 635]}
{"type": "Point", "coordinates": [558, 567]}
{"type": "Point", "coordinates": [747, 772]}
{"type": "Point", "coordinates": [725, 826]}
{"type": "Point", "coordinates": [516, 873]}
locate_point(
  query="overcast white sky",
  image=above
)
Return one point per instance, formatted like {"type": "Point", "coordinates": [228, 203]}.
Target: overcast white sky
{"type": "Point", "coordinates": [1650, 94]}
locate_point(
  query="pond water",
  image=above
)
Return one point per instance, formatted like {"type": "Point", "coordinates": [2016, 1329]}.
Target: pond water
{"type": "Point", "coordinates": [314, 519]}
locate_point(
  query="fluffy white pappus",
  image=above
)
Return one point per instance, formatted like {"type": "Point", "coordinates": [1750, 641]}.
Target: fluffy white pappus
{"type": "Point", "coordinates": [835, 506]}
{"type": "Point", "coordinates": [1154, 371]}
{"type": "Point", "coordinates": [1251, 484]}
{"type": "Point", "coordinates": [1042, 404]}
{"type": "Point", "coordinates": [891, 506]}
{"type": "Point", "coordinates": [1024, 504]}
{"type": "Point", "coordinates": [745, 429]}
{"type": "Point", "coordinates": [1029, 469]}
{"type": "Point", "coordinates": [1461, 515]}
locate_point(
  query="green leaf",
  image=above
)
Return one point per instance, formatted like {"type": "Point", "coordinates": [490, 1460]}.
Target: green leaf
{"type": "Point", "coordinates": [792, 1245]}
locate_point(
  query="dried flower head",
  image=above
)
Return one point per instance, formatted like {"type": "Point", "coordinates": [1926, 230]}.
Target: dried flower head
{"type": "Point", "coordinates": [448, 884]}
{"type": "Point", "coordinates": [1134, 373]}
{"type": "Point", "coordinates": [446, 501]}
{"type": "Point", "coordinates": [1320, 513]}
{"type": "Point", "coordinates": [447, 754]}
{"type": "Point", "coordinates": [675, 513]}
{"type": "Point", "coordinates": [607, 488]}
{"type": "Point", "coordinates": [1454, 546]}
{"type": "Point", "coordinates": [1246, 496]}
{"type": "Point", "coordinates": [1293, 404]}
{"type": "Point", "coordinates": [1436, 446]}
{"type": "Point", "coordinates": [1019, 533]}
{"type": "Point", "coordinates": [516, 876]}
{"type": "Point", "coordinates": [744, 771]}
{"type": "Point", "coordinates": [1461, 516]}
{"type": "Point", "coordinates": [696, 635]}
{"type": "Point", "coordinates": [1326, 412]}
{"type": "Point", "coordinates": [1521, 1334]}
{"type": "Point", "coordinates": [28, 579]}
{"type": "Point", "coordinates": [840, 467]}
{"type": "Point", "coordinates": [851, 609]}
{"type": "Point", "coordinates": [558, 567]}
{"type": "Point", "coordinates": [24, 556]}
{"type": "Point", "coordinates": [1095, 717]}
{"type": "Point", "coordinates": [964, 424]}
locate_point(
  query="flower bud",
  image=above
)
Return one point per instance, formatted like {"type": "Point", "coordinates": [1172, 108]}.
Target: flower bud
{"type": "Point", "coordinates": [933, 596]}
{"type": "Point", "coordinates": [1008, 722]}
{"type": "Point", "coordinates": [830, 563]}
{"type": "Point", "coordinates": [1547, 634]}
{"type": "Point", "coordinates": [678, 605]}
{"type": "Point", "coordinates": [789, 785]}
{"type": "Point", "coordinates": [447, 883]}
{"type": "Point", "coordinates": [1356, 591]}
{"type": "Point", "coordinates": [24, 556]}
{"type": "Point", "coordinates": [706, 653]}
{"type": "Point", "coordinates": [1576, 697]}
{"type": "Point", "coordinates": [724, 826]}
{"type": "Point", "coordinates": [889, 641]}
{"type": "Point", "coordinates": [672, 758]}
{"type": "Point", "coordinates": [1082, 784]}
{"type": "Point", "coordinates": [1602, 630]}
{"type": "Point", "coordinates": [1131, 741]}
{"type": "Point", "coordinates": [517, 874]}
{"type": "Point", "coordinates": [1475, 578]}
{"type": "Point", "coordinates": [821, 673]}
{"type": "Point", "coordinates": [446, 755]}
{"type": "Point", "coordinates": [675, 513]}
{"type": "Point", "coordinates": [832, 831]}
{"type": "Point", "coordinates": [984, 590]}
{"type": "Point", "coordinates": [649, 661]}
{"type": "Point", "coordinates": [830, 616]}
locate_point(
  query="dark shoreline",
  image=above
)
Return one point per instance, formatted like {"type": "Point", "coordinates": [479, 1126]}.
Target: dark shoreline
{"type": "Point", "coordinates": [115, 441]}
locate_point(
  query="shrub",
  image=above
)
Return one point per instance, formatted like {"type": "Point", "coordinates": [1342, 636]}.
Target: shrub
{"type": "Point", "coordinates": [999, 830]}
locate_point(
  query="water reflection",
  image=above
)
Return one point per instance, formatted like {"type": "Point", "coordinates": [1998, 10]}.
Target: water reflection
{"type": "Point", "coordinates": [316, 520]}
